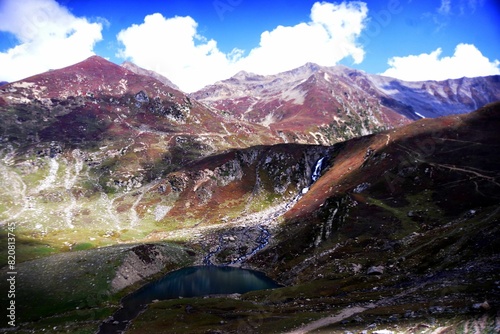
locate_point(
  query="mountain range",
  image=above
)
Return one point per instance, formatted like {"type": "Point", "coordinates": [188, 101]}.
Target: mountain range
{"type": "Point", "coordinates": [329, 104]}
{"type": "Point", "coordinates": [363, 195]}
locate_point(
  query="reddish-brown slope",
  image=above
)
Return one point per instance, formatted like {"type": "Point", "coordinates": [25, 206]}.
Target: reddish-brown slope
{"type": "Point", "coordinates": [465, 144]}
{"type": "Point", "coordinates": [331, 104]}
{"type": "Point", "coordinates": [413, 203]}
{"type": "Point", "coordinates": [141, 127]}
{"type": "Point", "coordinates": [115, 94]}
{"type": "Point", "coordinates": [308, 104]}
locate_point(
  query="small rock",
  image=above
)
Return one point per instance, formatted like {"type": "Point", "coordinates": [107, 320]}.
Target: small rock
{"type": "Point", "coordinates": [485, 305]}
{"type": "Point", "coordinates": [375, 270]}
{"type": "Point", "coordinates": [436, 309]}
{"type": "Point", "coordinates": [482, 306]}
{"type": "Point", "coordinates": [356, 267]}
{"type": "Point", "coordinates": [470, 214]}
{"type": "Point", "coordinates": [394, 318]}
{"type": "Point", "coordinates": [358, 319]}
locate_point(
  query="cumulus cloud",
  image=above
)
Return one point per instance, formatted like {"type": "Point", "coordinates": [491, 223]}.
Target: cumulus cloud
{"type": "Point", "coordinates": [467, 61]}
{"type": "Point", "coordinates": [329, 37]}
{"type": "Point", "coordinates": [48, 36]}
{"type": "Point", "coordinates": [172, 46]}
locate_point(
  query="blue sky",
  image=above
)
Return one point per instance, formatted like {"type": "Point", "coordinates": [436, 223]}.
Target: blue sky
{"type": "Point", "coordinates": [195, 43]}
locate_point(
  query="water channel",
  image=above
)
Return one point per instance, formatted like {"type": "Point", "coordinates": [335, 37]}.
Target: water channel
{"type": "Point", "coordinates": [199, 281]}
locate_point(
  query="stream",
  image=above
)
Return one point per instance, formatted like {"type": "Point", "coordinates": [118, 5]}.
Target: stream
{"type": "Point", "coordinates": [244, 242]}
{"type": "Point", "coordinates": [209, 279]}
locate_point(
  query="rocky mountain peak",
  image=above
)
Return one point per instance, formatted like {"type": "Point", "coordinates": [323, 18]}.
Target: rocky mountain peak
{"type": "Point", "coordinates": [244, 75]}
{"type": "Point", "coordinates": [341, 103]}
{"type": "Point", "coordinates": [94, 76]}
{"type": "Point", "coordinates": [307, 69]}
{"type": "Point", "coordinates": [142, 71]}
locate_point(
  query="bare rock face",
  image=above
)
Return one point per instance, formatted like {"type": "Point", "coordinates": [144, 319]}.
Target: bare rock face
{"type": "Point", "coordinates": [141, 262]}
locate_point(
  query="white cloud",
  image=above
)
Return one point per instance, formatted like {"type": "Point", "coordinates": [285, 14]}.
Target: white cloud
{"type": "Point", "coordinates": [467, 61]}
{"type": "Point", "coordinates": [172, 46]}
{"type": "Point", "coordinates": [49, 37]}
{"type": "Point", "coordinates": [329, 37]}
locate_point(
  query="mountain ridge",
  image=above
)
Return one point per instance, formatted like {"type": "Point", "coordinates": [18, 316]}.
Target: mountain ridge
{"type": "Point", "coordinates": [390, 102]}
{"type": "Point", "coordinates": [370, 82]}
{"type": "Point", "coordinates": [113, 178]}
{"type": "Point", "coordinates": [310, 104]}
{"type": "Point", "coordinates": [139, 70]}
{"type": "Point", "coordinates": [96, 103]}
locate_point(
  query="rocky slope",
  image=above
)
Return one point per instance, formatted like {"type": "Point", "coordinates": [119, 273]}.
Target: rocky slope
{"type": "Point", "coordinates": [330, 104]}
{"type": "Point", "coordinates": [75, 142]}
{"type": "Point", "coordinates": [141, 71]}
{"type": "Point", "coordinates": [94, 156]}
{"type": "Point", "coordinates": [427, 178]}
{"type": "Point", "coordinates": [399, 234]}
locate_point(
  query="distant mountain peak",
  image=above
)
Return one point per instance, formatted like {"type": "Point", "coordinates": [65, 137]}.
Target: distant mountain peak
{"type": "Point", "coordinates": [96, 76]}
{"type": "Point", "coordinates": [333, 97]}
{"type": "Point", "coordinates": [312, 66]}
{"type": "Point", "coordinates": [242, 75]}
{"type": "Point", "coordinates": [142, 71]}
{"type": "Point", "coordinates": [97, 60]}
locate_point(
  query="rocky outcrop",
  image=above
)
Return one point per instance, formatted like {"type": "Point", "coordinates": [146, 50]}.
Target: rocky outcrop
{"type": "Point", "coordinates": [141, 262]}
{"type": "Point", "coordinates": [241, 181]}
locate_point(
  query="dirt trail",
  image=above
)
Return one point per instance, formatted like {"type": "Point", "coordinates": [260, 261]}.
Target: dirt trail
{"type": "Point", "coordinates": [468, 170]}
{"type": "Point", "coordinates": [344, 314]}
{"type": "Point", "coordinates": [350, 311]}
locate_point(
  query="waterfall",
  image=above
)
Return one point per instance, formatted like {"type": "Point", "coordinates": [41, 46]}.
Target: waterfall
{"type": "Point", "coordinates": [262, 240]}
{"type": "Point", "coordinates": [317, 170]}
{"type": "Point", "coordinates": [316, 173]}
